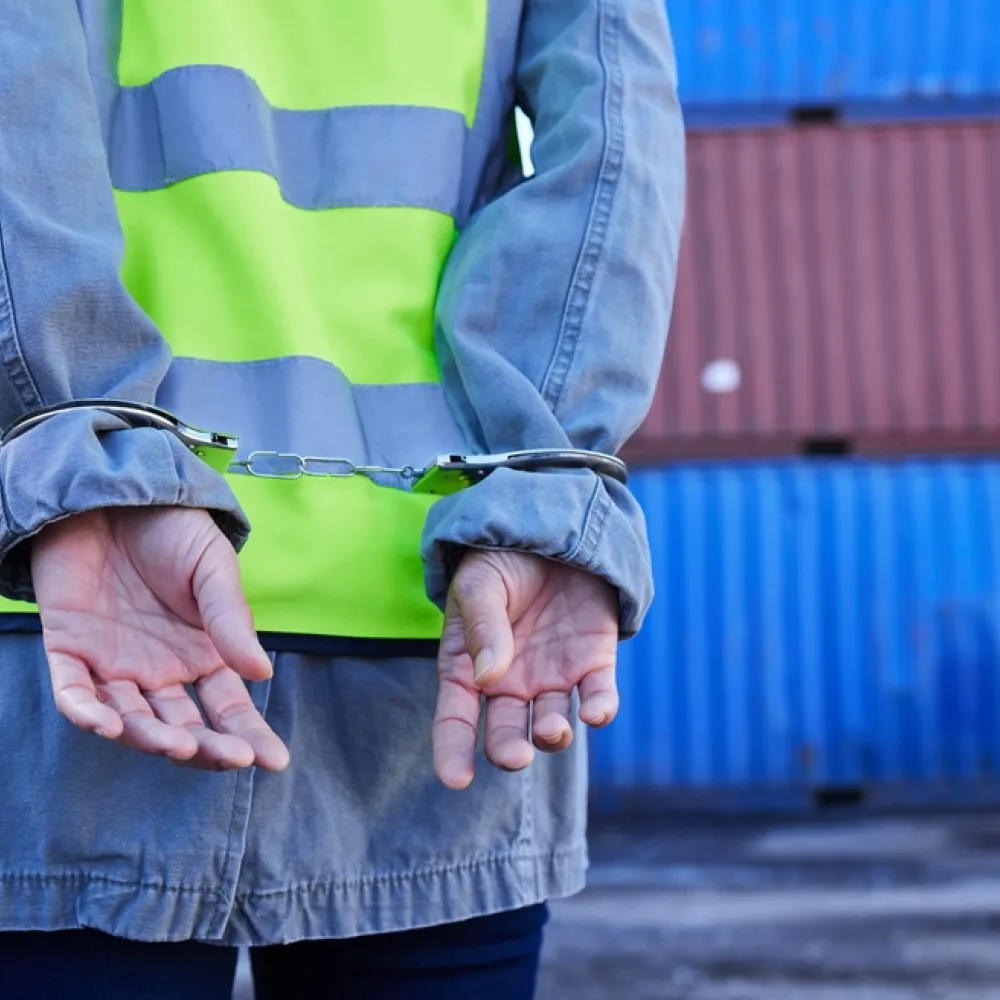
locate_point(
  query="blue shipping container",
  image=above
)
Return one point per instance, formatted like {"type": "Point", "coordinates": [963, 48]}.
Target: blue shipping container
{"type": "Point", "coordinates": [752, 61]}
{"type": "Point", "coordinates": [816, 627]}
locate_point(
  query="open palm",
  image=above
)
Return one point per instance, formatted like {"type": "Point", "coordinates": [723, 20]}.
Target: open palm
{"type": "Point", "coordinates": [137, 607]}
{"type": "Point", "coordinates": [527, 632]}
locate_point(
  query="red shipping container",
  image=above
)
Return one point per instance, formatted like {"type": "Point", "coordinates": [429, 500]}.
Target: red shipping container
{"type": "Point", "coordinates": [838, 288]}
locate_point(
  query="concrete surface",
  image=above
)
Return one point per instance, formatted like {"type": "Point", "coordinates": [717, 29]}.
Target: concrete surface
{"type": "Point", "coordinates": [847, 909]}
{"type": "Point", "coordinates": [880, 909]}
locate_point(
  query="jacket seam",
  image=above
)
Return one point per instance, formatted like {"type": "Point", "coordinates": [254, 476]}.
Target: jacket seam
{"type": "Point", "coordinates": [77, 877]}
{"type": "Point", "coordinates": [583, 552]}
{"type": "Point", "coordinates": [294, 888]}
{"type": "Point", "coordinates": [553, 387]}
{"type": "Point", "coordinates": [5, 511]}
{"type": "Point", "coordinates": [11, 356]}
{"type": "Point", "coordinates": [233, 857]}
{"type": "Point", "coordinates": [490, 861]}
{"type": "Point", "coordinates": [396, 878]}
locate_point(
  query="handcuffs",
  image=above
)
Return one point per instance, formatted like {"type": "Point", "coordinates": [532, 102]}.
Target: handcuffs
{"type": "Point", "coordinates": [445, 475]}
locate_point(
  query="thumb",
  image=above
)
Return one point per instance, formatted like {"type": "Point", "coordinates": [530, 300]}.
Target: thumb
{"type": "Point", "coordinates": [479, 594]}
{"type": "Point", "coordinates": [225, 614]}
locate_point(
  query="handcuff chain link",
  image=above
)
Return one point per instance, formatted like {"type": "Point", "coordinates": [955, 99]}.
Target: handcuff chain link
{"type": "Point", "coordinates": [259, 464]}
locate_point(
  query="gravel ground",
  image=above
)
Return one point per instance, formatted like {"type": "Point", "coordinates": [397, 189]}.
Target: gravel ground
{"type": "Point", "coordinates": [851, 909]}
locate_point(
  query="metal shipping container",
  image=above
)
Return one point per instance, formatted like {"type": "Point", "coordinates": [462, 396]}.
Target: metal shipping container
{"type": "Point", "coordinates": [835, 283]}
{"type": "Point", "coordinates": [819, 630]}
{"type": "Point", "coordinates": [757, 61]}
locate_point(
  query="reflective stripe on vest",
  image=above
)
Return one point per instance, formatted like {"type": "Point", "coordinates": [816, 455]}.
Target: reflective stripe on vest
{"type": "Point", "coordinates": [289, 178]}
{"type": "Point", "coordinates": [203, 119]}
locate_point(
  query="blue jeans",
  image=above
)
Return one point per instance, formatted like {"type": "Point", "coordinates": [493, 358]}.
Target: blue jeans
{"type": "Point", "coordinates": [487, 958]}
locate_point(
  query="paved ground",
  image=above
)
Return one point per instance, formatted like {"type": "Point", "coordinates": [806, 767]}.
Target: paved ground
{"type": "Point", "coordinates": [876, 909]}
{"type": "Point", "coordinates": [850, 910]}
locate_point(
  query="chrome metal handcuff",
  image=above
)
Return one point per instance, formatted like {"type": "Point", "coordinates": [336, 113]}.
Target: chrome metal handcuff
{"type": "Point", "coordinates": [214, 448]}
{"type": "Point", "coordinates": [445, 475]}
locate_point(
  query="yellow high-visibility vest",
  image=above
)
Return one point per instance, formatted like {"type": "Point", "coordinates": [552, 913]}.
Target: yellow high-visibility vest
{"type": "Point", "coordinates": [290, 178]}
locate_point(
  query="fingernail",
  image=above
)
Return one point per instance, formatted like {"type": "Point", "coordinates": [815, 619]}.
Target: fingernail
{"type": "Point", "coordinates": [457, 782]}
{"type": "Point", "coordinates": [103, 733]}
{"type": "Point", "coordinates": [484, 663]}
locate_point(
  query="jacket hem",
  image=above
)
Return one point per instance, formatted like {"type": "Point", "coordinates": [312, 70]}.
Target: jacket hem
{"type": "Point", "coordinates": [145, 910]}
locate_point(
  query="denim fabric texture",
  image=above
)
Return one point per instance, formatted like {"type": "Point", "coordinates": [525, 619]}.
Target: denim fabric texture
{"type": "Point", "coordinates": [551, 321]}
{"type": "Point", "coordinates": [357, 837]}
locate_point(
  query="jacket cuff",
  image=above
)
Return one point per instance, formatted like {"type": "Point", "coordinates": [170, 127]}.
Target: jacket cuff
{"type": "Point", "coordinates": [575, 518]}
{"type": "Point", "coordinates": [79, 461]}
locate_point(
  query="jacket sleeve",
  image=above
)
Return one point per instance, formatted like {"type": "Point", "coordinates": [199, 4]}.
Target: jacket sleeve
{"type": "Point", "coordinates": [68, 327]}
{"type": "Point", "coordinates": [553, 310]}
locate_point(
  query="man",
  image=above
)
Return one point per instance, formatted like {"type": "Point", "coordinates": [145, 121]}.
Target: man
{"type": "Point", "coordinates": [298, 223]}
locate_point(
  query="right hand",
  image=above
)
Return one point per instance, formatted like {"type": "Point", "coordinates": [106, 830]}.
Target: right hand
{"type": "Point", "coordinates": [135, 605]}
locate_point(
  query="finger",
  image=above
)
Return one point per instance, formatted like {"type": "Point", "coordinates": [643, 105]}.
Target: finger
{"type": "Point", "coordinates": [230, 710]}
{"type": "Point", "coordinates": [143, 731]}
{"type": "Point", "coordinates": [507, 743]}
{"type": "Point", "coordinates": [480, 600]}
{"type": "Point", "coordinates": [76, 698]}
{"type": "Point", "coordinates": [551, 728]}
{"type": "Point", "coordinates": [455, 733]}
{"type": "Point", "coordinates": [225, 613]}
{"type": "Point", "coordinates": [599, 697]}
{"type": "Point", "coordinates": [216, 751]}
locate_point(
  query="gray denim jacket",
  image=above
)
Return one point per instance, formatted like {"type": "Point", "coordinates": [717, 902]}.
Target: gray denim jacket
{"type": "Point", "coordinates": [551, 322]}
{"type": "Point", "coordinates": [551, 319]}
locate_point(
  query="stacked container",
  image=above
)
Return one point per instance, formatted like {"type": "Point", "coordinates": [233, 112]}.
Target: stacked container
{"type": "Point", "coordinates": [755, 62]}
{"type": "Point", "coordinates": [822, 499]}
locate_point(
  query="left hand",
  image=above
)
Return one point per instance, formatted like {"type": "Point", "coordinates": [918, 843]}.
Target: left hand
{"type": "Point", "coordinates": [525, 632]}
{"type": "Point", "coordinates": [139, 606]}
